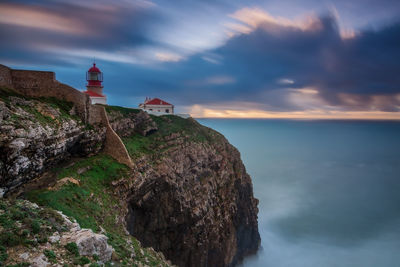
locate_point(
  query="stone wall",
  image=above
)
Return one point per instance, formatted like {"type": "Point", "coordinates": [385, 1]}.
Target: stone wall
{"type": "Point", "coordinates": [114, 145]}
{"type": "Point", "coordinates": [5, 76]}
{"type": "Point", "coordinates": [96, 115]}
{"type": "Point", "coordinates": [44, 84]}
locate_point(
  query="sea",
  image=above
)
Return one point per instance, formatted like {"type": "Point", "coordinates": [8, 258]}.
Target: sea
{"type": "Point", "coordinates": [329, 191]}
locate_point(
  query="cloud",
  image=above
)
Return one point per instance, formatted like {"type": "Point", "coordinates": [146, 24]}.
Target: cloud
{"type": "Point", "coordinates": [254, 18]}
{"type": "Point", "coordinates": [73, 27]}
{"type": "Point", "coordinates": [219, 80]}
{"type": "Point", "coordinates": [355, 73]}
{"type": "Point", "coordinates": [285, 81]}
{"type": "Point", "coordinates": [246, 55]}
{"type": "Point", "coordinates": [19, 15]}
{"type": "Point", "coordinates": [168, 57]}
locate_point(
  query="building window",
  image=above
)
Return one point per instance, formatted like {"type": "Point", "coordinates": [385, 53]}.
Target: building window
{"type": "Point", "coordinates": [167, 111]}
{"type": "Point", "coordinates": [151, 109]}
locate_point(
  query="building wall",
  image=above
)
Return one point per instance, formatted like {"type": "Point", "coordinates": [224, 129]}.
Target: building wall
{"type": "Point", "coordinates": [159, 108]}
{"type": "Point", "coordinates": [98, 100]}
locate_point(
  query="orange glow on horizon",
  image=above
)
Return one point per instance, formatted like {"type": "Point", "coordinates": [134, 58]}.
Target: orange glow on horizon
{"type": "Point", "coordinates": [200, 112]}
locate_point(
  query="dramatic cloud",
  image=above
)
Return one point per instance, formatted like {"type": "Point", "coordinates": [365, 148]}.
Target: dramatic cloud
{"type": "Point", "coordinates": [57, 29]}
{"type": "Point", "coordinates": [210, 57]}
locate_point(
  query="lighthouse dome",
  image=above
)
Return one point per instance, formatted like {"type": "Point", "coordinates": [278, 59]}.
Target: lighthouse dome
{"type": "Point", "coordinates": [94, 68]}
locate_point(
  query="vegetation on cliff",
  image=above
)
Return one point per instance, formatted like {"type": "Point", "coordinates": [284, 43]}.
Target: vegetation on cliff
{"type": "Point", "coordinates": [39, 133]}
{"type": "Point", "coordinates": [188, 195]}
{"type": "Point", "coordinates": [45, 110]}
{"type": "Point", "coordinates": [191, 197]}
{"type": "Point", "coordinates": [95, 205]}
{"type": "Point", "coordinates": [169, 125]}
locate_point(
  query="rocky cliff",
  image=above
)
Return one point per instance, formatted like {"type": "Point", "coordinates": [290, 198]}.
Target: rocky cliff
{"type": "Point", "coordinates": [38, 133]}
{"type": "Point", "coordinates": [188, 195]}
{"type": "Point", "coordinates": [191, 197]}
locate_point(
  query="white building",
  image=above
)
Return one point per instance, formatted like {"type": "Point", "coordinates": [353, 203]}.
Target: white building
{"type": "Point", "coordinates": [156, 105]}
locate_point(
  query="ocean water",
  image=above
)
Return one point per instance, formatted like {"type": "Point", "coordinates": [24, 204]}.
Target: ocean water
{"type": "Point", "coordinates": [329, 191]}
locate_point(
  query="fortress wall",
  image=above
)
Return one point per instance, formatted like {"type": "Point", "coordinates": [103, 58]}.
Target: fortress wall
{"type": "Point", "coordinates": [5, 77]}
{"type": "Point", "coordinates": [44, 84]}
{"type": "Point", "coordinates": [81, 101]}
{"type": "Point", "coordinates": [29, 82]}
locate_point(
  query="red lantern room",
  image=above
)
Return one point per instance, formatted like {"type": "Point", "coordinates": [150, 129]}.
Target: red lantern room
{"type": "Point", "coordinates": [94, 76]}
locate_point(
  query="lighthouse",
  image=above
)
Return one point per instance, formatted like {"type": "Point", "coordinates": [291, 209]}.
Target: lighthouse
{"type": "Point", "coordinates": [94, 78]}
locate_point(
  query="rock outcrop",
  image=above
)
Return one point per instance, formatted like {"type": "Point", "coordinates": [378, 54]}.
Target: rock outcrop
{"type": "Point", "coordinates": [193, 200]}
{"type": "Point", "coordinates": [132, 121]}
{"type": "Point", "coordinates": [48, 243]}
{"type": "Point", "coordinates": [36, 135]}
{"type": "Point", "coordinates": [88, 243]}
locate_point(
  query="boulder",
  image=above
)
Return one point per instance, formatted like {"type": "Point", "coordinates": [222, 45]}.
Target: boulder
{"type": "Point", "coordinates": [89, 243]}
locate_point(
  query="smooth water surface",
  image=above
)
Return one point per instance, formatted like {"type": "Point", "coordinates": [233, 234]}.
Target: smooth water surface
{"type": "Point", "coordinates": [329, 191]}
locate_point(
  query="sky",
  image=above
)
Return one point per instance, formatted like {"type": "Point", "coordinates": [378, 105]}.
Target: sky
{"type": "Point", "coordinates": [300, 59]}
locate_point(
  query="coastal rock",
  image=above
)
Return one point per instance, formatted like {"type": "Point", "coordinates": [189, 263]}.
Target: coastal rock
{"type": "Point", "coordinates": [35, 136]}
{"type": "Point", "coordinates": [194, 203]}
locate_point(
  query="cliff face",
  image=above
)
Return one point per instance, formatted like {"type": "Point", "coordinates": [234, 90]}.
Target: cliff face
{"type": "Point", "coordinates": [188, 195]}
{"type": "Point", "coordinates": [36, 134]}
{"type": "Point", "coordinates": [191, 197]}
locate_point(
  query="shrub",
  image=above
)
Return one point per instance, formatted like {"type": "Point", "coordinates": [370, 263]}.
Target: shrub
{"type": "Point", "coordinates": [23, 264]}
{"type": "Point", "coordinates": [50, 255]}
{"type": "Point", "coordinates": [72, 247]}
{"type": "Point", "coordinates": [35, 227]}
{"type": "Point", "coordinates": [9, 239]}
{"type": "Point", "coordinates": [3, 254]}
{"type": "Point", "coordinates": [81, 261]}
{"type": "Point", "coordinates": [25, 233]}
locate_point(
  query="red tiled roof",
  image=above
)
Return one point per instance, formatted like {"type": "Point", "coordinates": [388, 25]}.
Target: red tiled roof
{"type": "Point", "coordinates": [94, 94]}
{"type": "Point", "coordinates": [157, 101]}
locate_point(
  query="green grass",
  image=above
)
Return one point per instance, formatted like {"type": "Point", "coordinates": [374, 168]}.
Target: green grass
{"type": "Point", "coordinates": [64, 108]}
{"type": "Point", "coordinates": [77, 201]}
{"type": "Point", "coordinates": [24, 226]}
{"type": "Point", "coordinates": [5, 93]}
{"type": "Point", "coordinates": [155, 144]}
{"type": "Point", "coordinates": [122, 110]}
{"type": "Point", "coordinates": [92, 203]}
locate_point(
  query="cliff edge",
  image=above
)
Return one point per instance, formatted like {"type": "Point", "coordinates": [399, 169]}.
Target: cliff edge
{"type": "Point", "coordinates": [191, 197]}
{"type": "Point", "coordinates": [187, 195]}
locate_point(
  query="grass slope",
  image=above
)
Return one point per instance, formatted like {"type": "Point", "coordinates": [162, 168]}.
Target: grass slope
{"type": "Point", "coordinates": [157, 142]}
{"type": "Point", "coordinates": [93, 204]}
